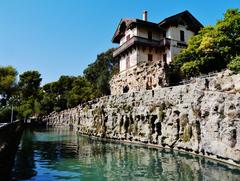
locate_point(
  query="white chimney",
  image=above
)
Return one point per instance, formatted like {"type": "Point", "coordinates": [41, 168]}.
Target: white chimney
{"type": "Point", "coordinates": [145, 15]}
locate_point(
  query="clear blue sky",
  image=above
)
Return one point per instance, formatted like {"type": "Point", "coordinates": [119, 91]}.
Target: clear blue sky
{"type": "Point", "coordinates": [61, 37]}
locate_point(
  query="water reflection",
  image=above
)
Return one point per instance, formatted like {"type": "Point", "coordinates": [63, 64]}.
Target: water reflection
{"type": "Point", "coordinates": [59, 154]}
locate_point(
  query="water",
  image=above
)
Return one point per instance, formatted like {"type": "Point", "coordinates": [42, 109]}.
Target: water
{"type": "Point", "coordinates": [58, 154]}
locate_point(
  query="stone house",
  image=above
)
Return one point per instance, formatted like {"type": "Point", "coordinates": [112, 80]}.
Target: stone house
{"type": "Point", "coordinates": [145, 48]}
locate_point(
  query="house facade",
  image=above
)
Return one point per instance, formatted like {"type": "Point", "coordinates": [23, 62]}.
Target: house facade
{"type": "Point", "coordinates": [145, 43]}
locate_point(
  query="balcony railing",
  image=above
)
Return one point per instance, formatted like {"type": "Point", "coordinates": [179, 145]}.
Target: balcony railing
{"type": "Point", "coordinates": [136, 40]}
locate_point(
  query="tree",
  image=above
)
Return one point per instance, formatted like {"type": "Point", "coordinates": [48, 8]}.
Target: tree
{"type": "Point", "coordinates": [235, 64]}
{"type": "Point", "coordinates": [82, 91]}
{"type": "Point", "coordinates": [101, 71]}
{"type": "Point", "coordinates": [30, 94]}
{"type": "Point", "coordinates": [56, 94]}
{"type": "Point", "coordinates": [212, 49]}
{"type": "Point", "coordinates": [7, 83]}
{"type": "Point", "coordinates": [29, 84]}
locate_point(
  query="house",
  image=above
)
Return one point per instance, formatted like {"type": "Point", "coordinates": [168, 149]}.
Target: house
{"type": "Point", "coordinates": [143, 43]}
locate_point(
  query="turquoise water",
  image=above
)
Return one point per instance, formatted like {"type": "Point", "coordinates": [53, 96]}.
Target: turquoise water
{"type": "Point", "coordinates": [58, 154]}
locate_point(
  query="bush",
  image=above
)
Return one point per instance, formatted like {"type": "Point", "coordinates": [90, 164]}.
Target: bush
{"type": "Point", "coordinates": [234, 65]}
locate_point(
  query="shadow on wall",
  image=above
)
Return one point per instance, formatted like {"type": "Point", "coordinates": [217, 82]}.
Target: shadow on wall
{"type": "Point", "coordinates": [10, 136]}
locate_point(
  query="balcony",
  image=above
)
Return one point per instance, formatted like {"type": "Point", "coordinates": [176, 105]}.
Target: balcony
{"type": "Point", "coordinates": [136, 40]}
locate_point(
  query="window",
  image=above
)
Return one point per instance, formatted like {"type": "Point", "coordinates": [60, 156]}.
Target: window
{"type": "Point", "coordinates": [125, 89]}
{"type": "Point", "coordinates": [150, 57]}
{"type": "Point", "coordinates": [182, 38]}
{"type": "Point", "coordinates": [127, 62]}
{"type": "Point", "coordinates": [149, 35]}
{"type": "Point", "coordinates": [128, 37]}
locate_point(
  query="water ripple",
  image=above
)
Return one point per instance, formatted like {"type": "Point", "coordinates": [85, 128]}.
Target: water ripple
{"type": "Point", "coordinates": [58, 154]}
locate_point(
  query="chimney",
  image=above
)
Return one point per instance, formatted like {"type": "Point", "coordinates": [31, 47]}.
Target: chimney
{"type": "Point", "coordinates": [145, 15]}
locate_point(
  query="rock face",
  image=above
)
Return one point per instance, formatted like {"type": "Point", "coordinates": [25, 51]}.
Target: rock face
{"type": "Point", "coordinates": [148, 75]}
{"type": "Point", "coordinates": [202, 117]}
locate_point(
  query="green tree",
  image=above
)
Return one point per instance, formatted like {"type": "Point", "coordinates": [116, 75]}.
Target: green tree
{"type": "Point", "coordinates": [29, 84]}
{"type": "Point", "coordinates": [82, 91]}
{"type": "Point", "coordinates": [57, 93]}
{"type": "Point", "coordinates": [47, 104]}
{"type": "Point", "coordinates": [212, 49]}
{"type": "Point", "coordinates": [235, 64]}
{"type": "Point", "coordinates": [101, 71]}
{"type": "Point", "coordinates": [7, 82]}
{"type": "Point", "coordinates": [30, 94]}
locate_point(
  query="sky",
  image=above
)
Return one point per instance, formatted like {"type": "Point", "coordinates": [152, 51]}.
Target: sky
{"type": "Point", "coordinates": [62, 37]}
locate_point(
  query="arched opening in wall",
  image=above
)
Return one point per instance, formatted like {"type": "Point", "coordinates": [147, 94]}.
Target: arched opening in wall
{"type": "Point", "coordinates": [125, 89]}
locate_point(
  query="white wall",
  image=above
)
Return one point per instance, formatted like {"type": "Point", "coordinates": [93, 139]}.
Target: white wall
{"type": "Point", "coordinates": [130, 32]}
{"type": "Point", "coordinates": [143, 32]}
{"type": "Point", "coordinates": [133, 60]}
{"type": "Point", "coordinates": [171, 53]}
{"type": "Point", "coordinates": [122, 64]}
{"type": "Point", "coordinates": [174, 33]}
{"type": "Point", "coordinates": [143, 55]}
{"type": "Point", "coordinates": [175, 51]}
{"type": "Point", "coordinates": [169, 56]}
{"type": "Point", "coordinates": [139, 55]}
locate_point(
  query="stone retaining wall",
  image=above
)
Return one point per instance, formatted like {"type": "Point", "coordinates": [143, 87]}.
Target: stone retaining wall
{"type": "Point", "coordinates": [202, 117]}
{"type": "Point", "coordinates": [147, 75]}
{"type": "Point", "coordinates": [10, 136]}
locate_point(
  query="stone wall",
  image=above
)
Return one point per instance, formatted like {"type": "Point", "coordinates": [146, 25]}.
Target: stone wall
{"type": "Point", "coordinates": [202, 117]}
{"type": "Point", "coordinates": [147, 75]}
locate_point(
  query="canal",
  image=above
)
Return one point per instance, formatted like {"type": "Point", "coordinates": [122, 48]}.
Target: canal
{"type": "Point", "coordinates": [58, 154]}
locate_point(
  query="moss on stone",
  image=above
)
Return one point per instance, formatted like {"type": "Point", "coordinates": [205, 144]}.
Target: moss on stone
{"type": "Point", "coordinates": [183, 120]}
{"type": "Point", "coordinates": [135, 131]}
{"type": "Point", "coordinates": [161, 113]}
{"type": "Point", "coordinates": [85, 109]}
{"type": "Point", "coordinates": [152, 108]}
{"type": "Point", "coordinates": [196, 112]}
{"type": "Point", "coordinates": [127, 108]}
{"type": "Point", "coordinates": [222, 115]}
{"type": "Point", "coordinates": [187, 133]}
